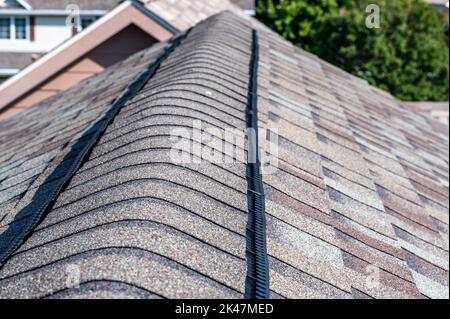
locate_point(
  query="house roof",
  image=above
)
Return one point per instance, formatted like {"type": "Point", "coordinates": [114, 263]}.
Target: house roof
{"type": "Point", "coordinates": [110, 4]}
{"type": "Point", "coordinates": [16, 60]}
{"type": "Point", "coordinates": [62, 4]}
{"type": "Point", "coordinates": [184, 14]}
{"type": "Point", "coordinates": [437, 110]}
{"type": "Point", "coordinates": [245, 4]}
{"type": "Point", "coordinates": [437, 2]}
{"type": "Point", "coordinates": [160, 19]}
{"type": "Point", "coordinates": [355, 196]}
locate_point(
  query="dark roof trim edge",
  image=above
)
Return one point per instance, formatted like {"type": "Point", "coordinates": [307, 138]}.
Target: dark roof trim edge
{"type": "Point", "coordinates": [44, 198]}
{"type": "Point", "coordinates": [138, 5]}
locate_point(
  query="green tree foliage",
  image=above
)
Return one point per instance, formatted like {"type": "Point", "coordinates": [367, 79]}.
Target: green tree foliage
{"type": "Point", "coordinates": [407, 56]}
{"type": "Point", "coordinates": [296, 20]}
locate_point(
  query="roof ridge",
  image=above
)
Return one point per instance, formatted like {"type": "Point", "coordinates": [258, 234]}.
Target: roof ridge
{"type": "Point", "coordinates": [257, 281]}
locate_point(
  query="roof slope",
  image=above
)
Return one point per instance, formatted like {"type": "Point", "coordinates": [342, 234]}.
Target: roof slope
{"type": "Point", "coordinates": [15, 60]}
{"type": "Point", "coordinates": [83, 4]}
{"type": "Point", "coordinates": [362, 182]}
{"type": "Point", "coordinates": [437, 110]}
{"type": "Point", "coordinates": [183, 14]}
{"type": "Point", "coordinates": [196, 248]}
{"type": "Point", "coordinates": [200, 7]}
{"type": "Point", "coordinates": [36, 157]}
{"type": "Point", "coordinates": [356, 208]}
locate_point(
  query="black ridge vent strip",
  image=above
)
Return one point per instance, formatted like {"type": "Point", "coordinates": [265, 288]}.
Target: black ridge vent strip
{"type": "Point", "coordinates": [257, 280]}
{"type": "Point", "coordinates": [30, 216]}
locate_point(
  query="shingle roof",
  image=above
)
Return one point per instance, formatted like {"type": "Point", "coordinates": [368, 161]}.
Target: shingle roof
{"type": "Point", "coordinates": [357, 207]}
{"type": "Point", "coordinates": [437, 110]}
{"type": "Point", "coordinates": [361, 181]}
{"type": "Point", "coordinates": [206, 6]}
{"type": "Point", "coordinates": [83, 4]}
{"type": "Point", "coordinates": [437, 2]}
{"type": "Point", "coordinates": [16, 60]}
{"type": "Point", "coordinates": [183, 14]}
{"type": "Point", "coordinates": [245, 4]}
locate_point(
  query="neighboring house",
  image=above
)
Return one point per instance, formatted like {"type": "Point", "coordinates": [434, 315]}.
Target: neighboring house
{"type": "Point", "coordinates": [12, 62]}
{"type": "Point", "coordinates": [93, 191]}
{"type": "Point", "coordinates": [248, 6]}
{"type": "Point", "coordinates": [105, 42]}
{"type": "Point", "coordinates": [30, 28]}
{"type": "Point", "coordinates": [441, 5]}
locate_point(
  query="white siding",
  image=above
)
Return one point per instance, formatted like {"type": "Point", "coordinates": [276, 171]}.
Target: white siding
{"type": "Point", "coordinates": [51, 31]}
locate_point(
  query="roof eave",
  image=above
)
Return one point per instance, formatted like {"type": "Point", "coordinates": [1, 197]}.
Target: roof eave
{"type": "Point", "coordinates": [25, 4]}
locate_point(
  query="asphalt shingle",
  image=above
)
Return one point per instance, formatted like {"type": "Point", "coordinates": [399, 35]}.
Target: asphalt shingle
{"type": "Point", "coordinates": [357, 206]}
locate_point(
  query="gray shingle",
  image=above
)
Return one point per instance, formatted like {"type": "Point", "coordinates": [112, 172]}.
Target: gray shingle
{"type": "Point", "coordinates": [83, 4]}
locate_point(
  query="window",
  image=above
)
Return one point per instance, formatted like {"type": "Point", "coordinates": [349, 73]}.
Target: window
{"type": "Point", "coordinates": [21, 28]}
{"type": "Point", "coordinates": [14, 28]}
{"type": "Point", "coordinates": [5, 28]}
{"type": "Point", "coordinates": [85, 22]}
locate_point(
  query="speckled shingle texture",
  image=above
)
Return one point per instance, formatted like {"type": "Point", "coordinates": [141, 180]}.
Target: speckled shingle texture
{"type": "Point", "coordinates": [82, 4]}
{"type": "Point", "coordinates": [356, 208]}
{"type": "Point", "coordinates": [135, 223]}
{"type": "Point", "coordinates": [359, 204]}
{"type": "Point", "coordinates": [34, 143]}
{"type": "Point", "coordinates": [183, 14]}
